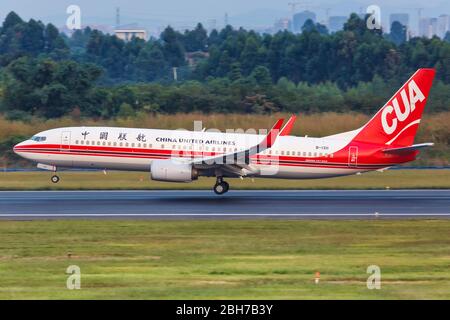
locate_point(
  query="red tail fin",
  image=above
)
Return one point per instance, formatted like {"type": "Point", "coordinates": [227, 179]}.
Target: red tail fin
{"type": "Point", "coordinates": [397, 122]}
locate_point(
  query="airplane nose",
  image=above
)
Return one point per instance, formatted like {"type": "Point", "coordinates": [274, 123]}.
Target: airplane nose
{"type": "Point", "coordinates": [17, 148]}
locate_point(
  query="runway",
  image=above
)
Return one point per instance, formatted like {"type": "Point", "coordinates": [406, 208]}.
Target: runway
{"type": "Point", "coordinates": [312, 204]}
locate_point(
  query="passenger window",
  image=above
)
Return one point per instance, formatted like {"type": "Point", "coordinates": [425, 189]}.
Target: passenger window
{"type": "Point", "coordinates": [162, 146]}
{"type": "Point", "coordinates": [309, 154]}
{"type": "Point", "coordinates": [132, 145]}
{"type": "Point", "coordinates": [76, 141]}
{"type": "Point", "coordinates": [82, 142]}
{"type": "Point", "coordinates": [104, 143]}
{"type": "Point", "coordinates": [115, 144]}
{"type": "Point", "coordinates": [282, 153]}
{"type": "Point", "coordinates": [288, 153]}
{"type": "Point", "coordinates": [87, 142]}
{"type": "Point", "coordinates": [98, 143]}
{"type": "Point", "coordinates": [315, 154]}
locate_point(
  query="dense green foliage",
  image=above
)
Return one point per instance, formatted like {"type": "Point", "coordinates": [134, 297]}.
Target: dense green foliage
{"type": "Point", "coordinates": [50, 88]}
{"type": "Point", "coordinates": [93, 74]}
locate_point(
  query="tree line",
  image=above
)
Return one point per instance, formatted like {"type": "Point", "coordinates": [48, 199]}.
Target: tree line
{"type": "Point", "coordinates": [48, 74]}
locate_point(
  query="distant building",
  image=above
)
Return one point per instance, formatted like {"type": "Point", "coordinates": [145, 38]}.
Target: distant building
{"type": "Point", "coordinates": [443, 25]}
{"type": "Point", "coordinates": [126, 33]}
{"type": "Point", "coordinates": [281, 25]}
{"type": "Point", "coordinates": [403, 18]}
{"type": "Point", "coordinates": [336, 23]}
{"type": "Point", "coordinates": [300, 18]}
{"type": "Point", "coordinates": [434, 27]}
{"type": "Point", "coordinates": [425, 29]}
{"type": "Point", "coordinates": [193, 58]}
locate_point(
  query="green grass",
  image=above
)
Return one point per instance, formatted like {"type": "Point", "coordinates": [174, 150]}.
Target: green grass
{"type": "Point", "coordinates": [225, 259]}
{"type": "Point", "coordinates": [394, 179]}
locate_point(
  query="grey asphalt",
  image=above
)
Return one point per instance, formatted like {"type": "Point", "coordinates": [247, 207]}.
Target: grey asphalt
{"type": "Point", "coordinates": [314, 204]}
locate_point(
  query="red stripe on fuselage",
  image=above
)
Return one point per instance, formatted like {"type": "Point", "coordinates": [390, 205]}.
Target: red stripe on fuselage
{"type": "Point", "coordinates": [165, 154]}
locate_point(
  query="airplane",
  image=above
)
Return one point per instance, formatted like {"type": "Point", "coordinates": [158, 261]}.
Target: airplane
{"type": "Point", "coordinates": [386, 140]}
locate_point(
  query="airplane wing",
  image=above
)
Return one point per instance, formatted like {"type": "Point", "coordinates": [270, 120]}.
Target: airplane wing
{"type": "Point", "coordinates": [408, 149]}
{"type": "Point", "coordinates": [288, 126]}
{"type": "Point", "coordinates": [239, 162]}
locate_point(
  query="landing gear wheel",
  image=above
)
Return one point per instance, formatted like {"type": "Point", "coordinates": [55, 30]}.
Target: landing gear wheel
{"type": "Point", "coordinates": [55, 179]}
{"type": "Point", "coordinates": [221, 187]}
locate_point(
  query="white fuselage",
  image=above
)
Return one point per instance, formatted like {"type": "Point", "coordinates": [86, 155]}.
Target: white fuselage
{"type": "Point", "coordinates": [135, 149]}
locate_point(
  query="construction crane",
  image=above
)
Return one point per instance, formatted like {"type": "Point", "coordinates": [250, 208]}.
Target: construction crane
{"type": "Point", "coordinates": [117, 17]}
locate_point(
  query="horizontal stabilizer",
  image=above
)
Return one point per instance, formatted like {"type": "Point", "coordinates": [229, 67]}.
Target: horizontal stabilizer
{"type": "Point", "coordinates": [409, 149]}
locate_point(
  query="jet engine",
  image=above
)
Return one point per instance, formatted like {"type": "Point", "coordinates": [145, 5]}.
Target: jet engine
{"type": "Point", "coordinates": [171, 171]}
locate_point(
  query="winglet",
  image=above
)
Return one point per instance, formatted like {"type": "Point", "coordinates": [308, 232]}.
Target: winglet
{"type": "Point", "coordinates": [288, 126]}
{"type": "Point", "coordinates": [269, 140]}
{"type": "Point", "coordinates": [243, 157]}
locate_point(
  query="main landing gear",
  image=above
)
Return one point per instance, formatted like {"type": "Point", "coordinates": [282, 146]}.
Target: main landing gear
{"type": "Point", "coordinates": [221, 186]}
{"type": "Point", "coordinates": [54, 178]}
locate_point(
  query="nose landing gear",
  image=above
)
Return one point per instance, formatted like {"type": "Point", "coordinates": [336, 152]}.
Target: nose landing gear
{"type": "Point", "coordinates": [221, 186]}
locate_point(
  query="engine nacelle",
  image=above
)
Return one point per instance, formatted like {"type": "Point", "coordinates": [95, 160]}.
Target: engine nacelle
{"type": "Point", "coordinates": [168, 170]}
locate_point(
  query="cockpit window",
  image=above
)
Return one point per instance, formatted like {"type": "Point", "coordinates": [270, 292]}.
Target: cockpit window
{"type": "Point", "coordinates": [38, 139]}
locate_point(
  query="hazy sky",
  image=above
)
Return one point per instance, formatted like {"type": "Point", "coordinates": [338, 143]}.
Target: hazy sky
{"type": "Point", "coordinates": [188, 11]}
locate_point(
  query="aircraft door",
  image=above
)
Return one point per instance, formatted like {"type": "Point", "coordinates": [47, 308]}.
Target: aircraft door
{"type": "Point", "coordinates": [353, 156]}
{"type": "Point", "coordinates": [65, 140]}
